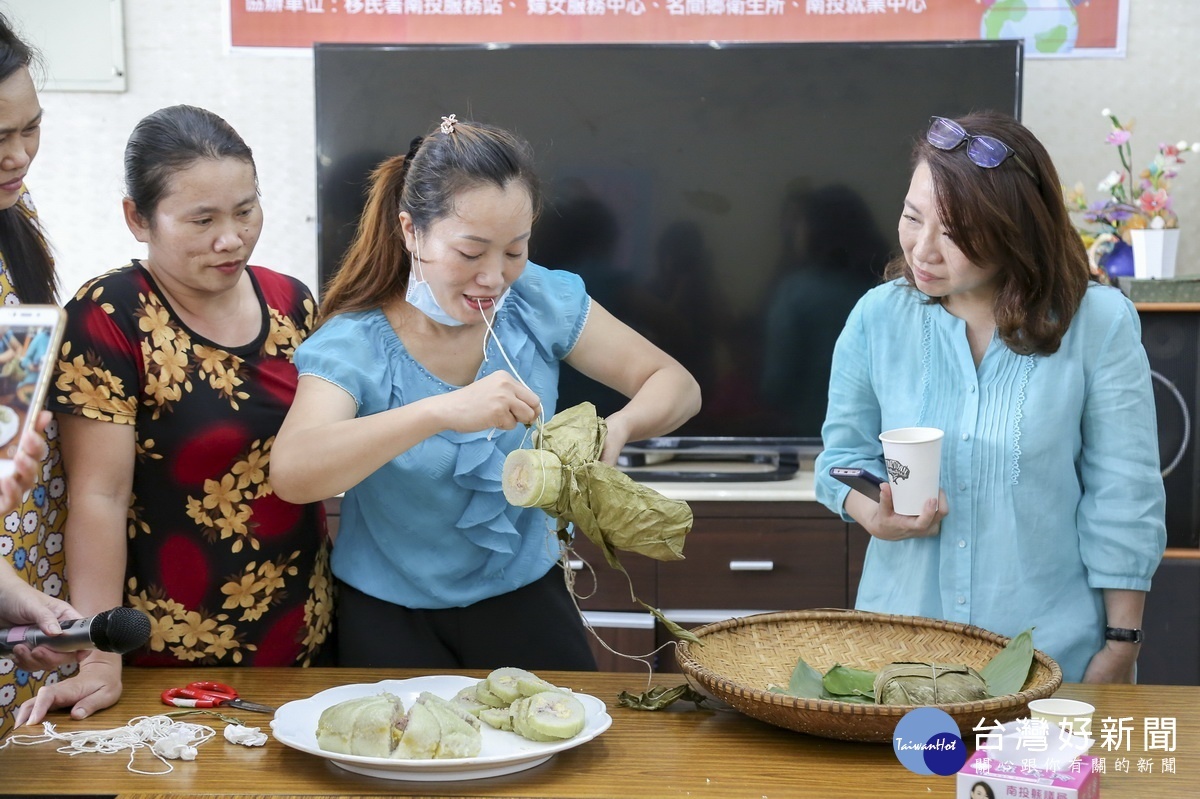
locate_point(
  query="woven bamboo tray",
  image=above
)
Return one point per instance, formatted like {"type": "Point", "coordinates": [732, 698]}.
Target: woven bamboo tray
{"type": "Point", "coordinates": [741, 656]}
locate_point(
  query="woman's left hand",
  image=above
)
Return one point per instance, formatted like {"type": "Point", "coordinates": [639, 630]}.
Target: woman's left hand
{"type": "Point", "coordinates": [615, 439]}
{"type": "Point", "coordinates": [1114, 663]}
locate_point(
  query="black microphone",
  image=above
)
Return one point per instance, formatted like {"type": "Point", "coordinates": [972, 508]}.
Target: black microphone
{"type": "Point", "coordinates": [118, 630]}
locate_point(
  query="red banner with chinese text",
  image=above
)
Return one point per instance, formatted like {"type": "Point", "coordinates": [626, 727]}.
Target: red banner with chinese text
{"type": "Point", "coordinates": [1050, 27]}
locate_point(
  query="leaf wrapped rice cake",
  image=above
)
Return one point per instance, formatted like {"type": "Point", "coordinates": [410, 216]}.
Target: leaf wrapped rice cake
{"type": "Point", "coordinates": [377, 726]}
{"type": "Point", "coordinates": [367, 726]}
{"type": "Point", "coordinates": [928, 684]}
{"type": "Point", "coordinates": [519, 701]}
{"type": "Point", "coordinates": [564, 477]}
{"type": "Point", "coordinates": [437, 728]}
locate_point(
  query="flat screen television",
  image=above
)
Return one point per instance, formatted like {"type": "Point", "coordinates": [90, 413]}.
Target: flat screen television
{"type": "Point", "coordinates": [729, 201]}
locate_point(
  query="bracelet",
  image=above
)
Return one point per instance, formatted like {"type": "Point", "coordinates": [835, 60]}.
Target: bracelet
{"type": "Point", "coordinates": [1123, 634]}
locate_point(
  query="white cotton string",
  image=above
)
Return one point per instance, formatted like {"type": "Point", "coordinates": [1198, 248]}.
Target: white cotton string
{"type": "Point", "coordinates": [491, 333]}
{"type": "Point", "coordinates": [525, 437]}
{"type": "Point", "coordinates": [164, 736]}
{"type": "Point", "coordinates": [565, 553]}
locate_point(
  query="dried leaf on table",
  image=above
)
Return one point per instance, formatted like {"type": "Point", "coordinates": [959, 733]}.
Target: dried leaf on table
{"type": "Point", "coordinates": [660, 697]}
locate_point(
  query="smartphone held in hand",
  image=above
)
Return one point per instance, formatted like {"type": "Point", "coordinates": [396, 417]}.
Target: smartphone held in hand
{"type": "Point", "coordinates": [29, 341]}
{"type": "Point", "coordinates": [861, 480]}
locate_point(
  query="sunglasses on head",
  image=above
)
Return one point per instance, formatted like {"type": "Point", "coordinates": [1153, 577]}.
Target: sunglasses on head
{"type": "Point", "coordinates": [985, 151]}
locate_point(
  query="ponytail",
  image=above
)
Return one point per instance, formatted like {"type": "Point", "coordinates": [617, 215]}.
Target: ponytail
{"type": "Point", "coordinates": [27, 256]}
{"type": "Point", "coordinates": [375, 268]}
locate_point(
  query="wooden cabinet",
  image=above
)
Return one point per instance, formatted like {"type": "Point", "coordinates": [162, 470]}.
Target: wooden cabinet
{"type": "Point", "coordinates": [753, 556]}
{"type": "Point", "coordinates": [600, 587]}
{"type": "Point", "coordinates": [740, 557]}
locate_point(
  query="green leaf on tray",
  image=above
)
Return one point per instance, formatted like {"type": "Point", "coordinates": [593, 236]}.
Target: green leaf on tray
{"type": "Point", "coordinates": [806, 682]}
{"type": "Point", "coordinates": [1004, 674]}
{"type": "Point", "coordinates": [847, 684]}
{"type": "Point", "coordinates": [1007, 671]}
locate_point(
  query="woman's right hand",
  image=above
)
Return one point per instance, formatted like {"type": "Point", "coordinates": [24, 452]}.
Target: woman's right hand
{"type": "Point", "coordinates": [498, 400]}
{"type": "Point", "coordinates": [881, 520]}
{"type": "Point", "coordinates": [95, 687]}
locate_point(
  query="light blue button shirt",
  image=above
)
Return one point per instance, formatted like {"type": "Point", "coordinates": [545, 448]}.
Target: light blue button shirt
{"type": "Point", "coordinates": [431, 528]}
{"type": "Point", "coordinates": [1050, 465]}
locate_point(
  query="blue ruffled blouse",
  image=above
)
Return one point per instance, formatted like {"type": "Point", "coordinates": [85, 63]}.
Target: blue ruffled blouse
{"type": "Point", "coordinates": [431, 528]}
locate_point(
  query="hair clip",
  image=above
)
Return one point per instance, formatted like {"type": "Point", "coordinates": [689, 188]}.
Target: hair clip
{"type": "Point", "coordinates": [448, 124]}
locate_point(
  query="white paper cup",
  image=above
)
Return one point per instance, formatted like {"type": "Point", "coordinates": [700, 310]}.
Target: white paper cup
{"type": "Point", "coordinates": [914, 466]}
{"type": "Point", "coordinates": [1068, 714]}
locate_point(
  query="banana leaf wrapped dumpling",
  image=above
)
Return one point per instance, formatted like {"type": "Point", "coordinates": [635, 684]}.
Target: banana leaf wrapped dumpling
{"type": "Point", "coordinates": [928, 684]}
{"type": "Point", "coordinates": [368, 726]}
{"type": "Point", "coordinates": [377, 726]}
{"type": "Point", "coordinates": [563, 476]}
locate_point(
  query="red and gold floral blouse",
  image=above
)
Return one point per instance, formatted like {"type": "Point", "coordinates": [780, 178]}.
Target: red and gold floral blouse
{"type": "Point", "coordinates": [229, 573]}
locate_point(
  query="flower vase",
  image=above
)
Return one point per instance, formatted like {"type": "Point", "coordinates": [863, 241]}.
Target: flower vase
{"type": "Point", "coordinates": [1118, 261]}
{"type": "Point", "coordinates": [1154, 252]}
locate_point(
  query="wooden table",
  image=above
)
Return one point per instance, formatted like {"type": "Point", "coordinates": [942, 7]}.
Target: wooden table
{"type": "Point", "coordinates": [676, 753]}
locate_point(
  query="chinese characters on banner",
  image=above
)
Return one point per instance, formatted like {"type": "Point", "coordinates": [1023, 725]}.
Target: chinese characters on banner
{"type": "Point", "coordinates": [1051, 28]}
{"type": "Point", "coordinates": [1120, 745]}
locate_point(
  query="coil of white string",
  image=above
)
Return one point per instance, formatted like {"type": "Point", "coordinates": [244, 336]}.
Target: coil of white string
{"type": "Point", "coordinates": [165, 737]}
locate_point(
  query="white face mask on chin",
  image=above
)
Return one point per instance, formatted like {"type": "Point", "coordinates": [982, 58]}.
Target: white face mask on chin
{"type": "Point", "coordinates": [419, 295]}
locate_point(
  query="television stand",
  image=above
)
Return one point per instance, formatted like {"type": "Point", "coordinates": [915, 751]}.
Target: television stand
{"type": "Point", "coordinates": [716, 465]}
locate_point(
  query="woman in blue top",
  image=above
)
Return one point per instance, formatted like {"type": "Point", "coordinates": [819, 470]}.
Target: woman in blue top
{"type": "Point", "coordinates": [440, 344]}
{"type": "Point", "coordinates": [1052, 509]}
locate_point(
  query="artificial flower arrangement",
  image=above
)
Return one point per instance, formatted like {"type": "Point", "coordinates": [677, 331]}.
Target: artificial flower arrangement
{"type": "Point", "coordinates": [1134, 201]}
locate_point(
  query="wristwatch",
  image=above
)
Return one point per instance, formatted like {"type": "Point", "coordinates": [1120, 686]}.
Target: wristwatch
{"type": "Point", "coordinates": [1123, 634]}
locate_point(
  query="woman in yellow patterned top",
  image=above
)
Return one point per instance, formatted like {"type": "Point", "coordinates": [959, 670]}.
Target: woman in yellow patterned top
{"type": "Point", "coordinates": [174, 376]}
{"type": "Point", "coordinates": [31, 539]}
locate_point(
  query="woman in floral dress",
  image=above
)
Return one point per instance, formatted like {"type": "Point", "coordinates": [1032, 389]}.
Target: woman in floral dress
{"type": "Point", "coordinates": [31, 538]}
{"type": "Point", "coordinates": [174, 376]}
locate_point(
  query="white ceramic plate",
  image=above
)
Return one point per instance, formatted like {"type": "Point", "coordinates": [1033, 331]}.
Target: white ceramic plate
{"type": "Point", "coordinates": [295, 725]}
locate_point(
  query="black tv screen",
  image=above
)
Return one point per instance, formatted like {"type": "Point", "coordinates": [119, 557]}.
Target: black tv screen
{"type": "Point", "coordinates": [731, 201]}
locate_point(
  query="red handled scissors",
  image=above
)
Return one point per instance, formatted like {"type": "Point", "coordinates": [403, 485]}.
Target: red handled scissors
{"type": "Point", "coordinates": [210, 694]}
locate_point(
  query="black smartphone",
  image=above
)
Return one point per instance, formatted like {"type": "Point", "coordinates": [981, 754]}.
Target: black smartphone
{"type": "Point", "coordinates": [861, 480]}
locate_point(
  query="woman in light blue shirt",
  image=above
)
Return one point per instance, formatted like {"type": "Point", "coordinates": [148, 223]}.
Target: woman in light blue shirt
{"type": "Point", "coordinates": [440, 344]}
{"type": "Point", "coordinates": [1052, 509]}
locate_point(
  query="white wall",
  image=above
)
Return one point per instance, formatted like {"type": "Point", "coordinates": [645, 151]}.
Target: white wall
{"type": "Point", "coordinates": [176, 53]}
{"type": "Point", "coordinates": [1156, 85]}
